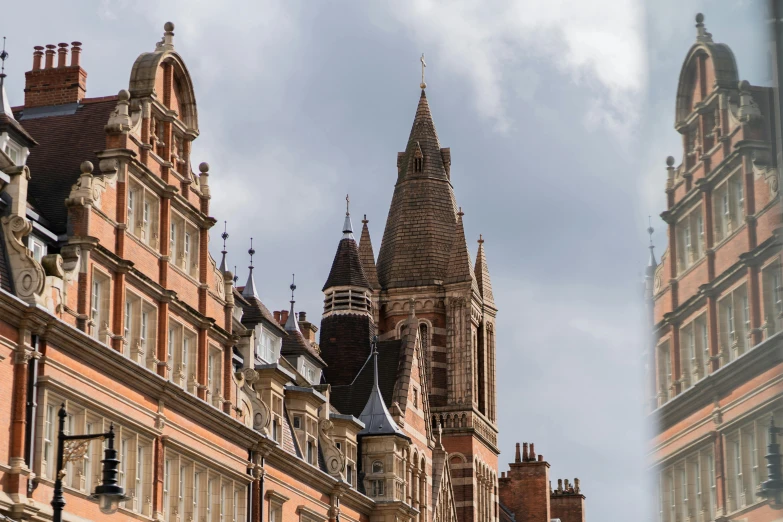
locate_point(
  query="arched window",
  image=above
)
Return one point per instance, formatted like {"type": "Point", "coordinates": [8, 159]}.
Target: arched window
{"type": "Point", "coordinates": [377, 467]}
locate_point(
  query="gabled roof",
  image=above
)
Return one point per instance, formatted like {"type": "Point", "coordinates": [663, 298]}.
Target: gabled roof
{"type": "Point", "coordinates": [482, 275]}
{"type": "Point", "coordinates": [420, 226]}
{"type": "Point", "coordinates": [367, 257]}
{"type": "Point", "coordinates": [65, 140]}
{"type": "Point", "coordinates": [347, 267]}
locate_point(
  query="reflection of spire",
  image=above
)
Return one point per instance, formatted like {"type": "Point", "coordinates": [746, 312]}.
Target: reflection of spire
{"type": "Point", "coordinates": [291, 324]}
{"type": "Point", "coordinates": [347, 225]}
{"type": "Point", "coordinates": [224, 235]}
{"type": "Point", "coordinates": [250, 286]}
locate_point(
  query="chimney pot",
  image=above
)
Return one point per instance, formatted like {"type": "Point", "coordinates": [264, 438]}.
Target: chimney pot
{"type": "Point", "coordinates": [37, 56]}
{"type": "Point", "coordinates": [62, 54]}
{"type": "Point", "coordinates": [76, 51]}
{"type": "Point", "coordinates": [516, 457]}
{"type": "Point", "coordinates": [277, 316]}
{"type": "Point", "coordinates": [524, 452]}
{"type": "Point", "coordinates": [532, 452]}
{"type": "Point", "coordinates": [283, 316]}
{"type": "Point", "coordinates": [540, 458]}
{"type": "Point", "coordinates": [302, 316]}
{"type": "Point", "coordinates": [49, 57]}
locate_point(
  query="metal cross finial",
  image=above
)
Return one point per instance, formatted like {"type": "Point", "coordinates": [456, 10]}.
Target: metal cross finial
{"type": "Point", "coordinates": [423, 65]}
{"type": "Point", "coordinates": [347, 202]}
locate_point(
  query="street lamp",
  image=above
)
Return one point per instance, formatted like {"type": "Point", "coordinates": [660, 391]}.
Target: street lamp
{"type": "Point", "coordinates": [71, 448]}
{"type": "Point", "coordinates": [772, 488]}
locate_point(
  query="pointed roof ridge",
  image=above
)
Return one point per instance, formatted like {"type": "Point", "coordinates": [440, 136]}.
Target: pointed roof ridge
{"type": "Point", "coordinates": [375, 416]}
{"type": "Point", "coordinates": [424, 138]}
{"type": "Point", "coordinates": [460, 268]}
{"type": "Point", "coordinates": [367, 257]}
{"type": "Point", "coordinates": [482, 274]}
{"type": "Point", "coordinates": [250, 287]}
{"type": "Point", "coordinates": [347, 267]}
{"type": "Point", "coordinates": [347, 225]}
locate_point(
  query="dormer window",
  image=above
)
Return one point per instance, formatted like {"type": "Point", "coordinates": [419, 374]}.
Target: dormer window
{"type": "Point", "coordinates": [13, 152]}
{"type": "Point", "coordinates": [37, 247]}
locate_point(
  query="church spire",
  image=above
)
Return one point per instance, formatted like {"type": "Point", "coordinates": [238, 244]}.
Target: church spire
{"type": "Point", "coordinates": [460, 267]}
{"type": "Point", "coordinates": [482, 274]}
{"type": "Point", "coordinates": [367, 257]}
{"type": "Point", "coordinates": [347, 225]}
{"type": "Point", "coordinates": [250, 286]}
{"type": "Point", "coordinates": [347, 267]}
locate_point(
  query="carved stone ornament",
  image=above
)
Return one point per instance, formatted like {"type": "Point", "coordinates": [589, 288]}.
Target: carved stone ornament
{"type": "Point", "coordinates": [29, 276]}
{"type": "Point", "coordinates": [334, 458]}
{"type": "Point", "coordinates": [762, 167]}
{"type": "Point", "coordinates": [259, 411]}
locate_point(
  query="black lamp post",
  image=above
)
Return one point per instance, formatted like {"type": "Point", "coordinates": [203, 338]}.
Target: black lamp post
{"type": "Point", "coordinates": [772, 488]}
{"type": "Point", "coordinates": [108, 494]}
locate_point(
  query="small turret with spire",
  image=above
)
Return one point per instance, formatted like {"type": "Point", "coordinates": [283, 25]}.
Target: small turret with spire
{"type": "Point", "coordinates": [223, 262]}
{"type": "Point", "coordinates": [250, 286]}
{"type": "Point", "coordinates": [13, 136]}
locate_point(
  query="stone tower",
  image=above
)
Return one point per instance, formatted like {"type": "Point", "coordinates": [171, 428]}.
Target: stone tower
{"type": "Point", "coordinates": [424, 259]}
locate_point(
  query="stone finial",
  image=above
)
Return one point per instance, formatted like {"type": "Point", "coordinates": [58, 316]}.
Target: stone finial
{"type": "Point", "coordinates": [701, 32]}
{"type": "Point", "coordinates": [86, 167]}
{"type": "Point", "coordinates": [670, 172]}
{"type": "Point", "coordinates": [517, 458]}
{"type": "Point", "coordinates": [748, 109]}
{"type": "Point", "coordinates": [167, 42]}
{"type": "Point", "coordinates": [412, 307]}
{"type": "Point", "coordinates": [120, 120]}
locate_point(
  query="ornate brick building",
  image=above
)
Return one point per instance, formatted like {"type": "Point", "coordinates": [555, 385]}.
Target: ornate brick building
{"type": "Point", "coordinates": [715, 299]}
{"type": "Point", "coordinates": [225, 411]}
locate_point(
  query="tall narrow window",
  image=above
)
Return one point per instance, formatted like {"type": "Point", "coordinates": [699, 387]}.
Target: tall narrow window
{"type": "Point", "coordinates": [181, 493]}
{"type": "Point", "coordinates": [187, 252]}
{"type": "Point", "coordinates": [139, 476]}
{"type": "Point", "coordinates": [87, 462]}
{"type": "Point", "coordinates": [186, 363]}
{"type": "Point", "coordinates": [170, 350]}
{"type": "Point", "coordinates": [173, 243]}
{"type": "Point", "coordinates": [711, 473]}
{"type": "Point", "coordinates": [131, 211]}
{"type": "Point", "coordinates": [124, 463]}
{"type": "Point", "coordinates": [49, 441]}
{"type": "Point", "coordinates": [146, 221]}
{"type": "Point", "coordinates": [95, 311]}
{"type": "Point", "coordinates": [167, 489]}
{"type": "Point", "coordinates": [197, 496]}
{"type": "Point", "coordinates": [738, 474]}
{"type": "Point", "coordinates": [143, 331]}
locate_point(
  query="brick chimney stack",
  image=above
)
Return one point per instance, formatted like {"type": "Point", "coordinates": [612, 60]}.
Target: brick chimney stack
{"type": "Point", "coordinates": [52, 85]}
{"type": "Point", "coordinates": [568, 502]}
{"type": "Point", "coordinates": [525, 488]}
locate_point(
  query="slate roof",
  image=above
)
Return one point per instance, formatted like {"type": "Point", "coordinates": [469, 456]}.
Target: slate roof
{"type": "Point", "coordinates": [64, 142]}
{"type": "Point", "coordinates": [350, 399]}
{"type": "Point", "coordinates": [420, 225]}
{"type": "Point", "coordinates": [347, 267]}
{"type": "Point", "coordinates": [295, 344]}
{"type": "Point", "coordinates": [254, 311]}
{"type": "Point", "coordinates": [482, 275]}
{"type": "Point", "coordinates": [367, 257]}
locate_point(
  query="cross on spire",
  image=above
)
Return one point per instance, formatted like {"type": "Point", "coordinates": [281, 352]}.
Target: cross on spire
{"type": "Point", "coordinates": [423, 65]}
{"type": "Point", "coordinates": [347, 202]}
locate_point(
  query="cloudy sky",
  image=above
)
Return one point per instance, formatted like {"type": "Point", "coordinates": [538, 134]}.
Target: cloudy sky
{"type": "Point", "coordinates": [559, 115]}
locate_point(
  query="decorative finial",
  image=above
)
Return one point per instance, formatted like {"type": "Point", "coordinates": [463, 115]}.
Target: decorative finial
{"type": "Point", "coordinates": [292, 287]}
{"type": "Point", "coordinates": [481, 239]}
{"type": "Point", "coordinates": [3, 56]}
{"type": "Point", "coordinates": [252, 252]}
{"type": "Point", "coordinates": [423, 65]}
{"type": "Point", "coordinates": [701, 32]}
{"type": "Point", "coordinates": [236, 277]}
{"type": "Point", "coordinates": [347, 225]}
{"type": "Point", "coordinates": [224, 235]}
{"type": "Point", "coordinates": [650, 229]}
{"type": "Point", "coordinates": [347, 203]}
{"type": "Point", "coordinates": [364, 221]}
{"type": "Point", "coordinates": [460, 213]}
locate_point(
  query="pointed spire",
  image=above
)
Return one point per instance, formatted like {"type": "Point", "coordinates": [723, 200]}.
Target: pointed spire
{"type": "Point", "coordinates": [482, 274]}
{"type": "Point", "coordinates": [291, 324]}
{"type": "Point", "coordinates": [422, 157]}
{"type": "Point", "coordinates": [375, 416]}
{"type": "Point", "coordinates": [367, 257]}
{"type": "Point", "coordinates": [347, 225]}
{"type": "Point", "coordinates": [652, 263]}
{"type": "Point", "coordinates": [250, 286]}
{"type": "Point", "coordinates": [224, 235]}
{"type": "Point", "coordinates": [347, 267]}
{"type": "Point", "coordinates": [460, 267]}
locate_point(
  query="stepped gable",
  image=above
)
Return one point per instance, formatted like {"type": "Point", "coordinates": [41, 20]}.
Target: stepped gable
{"type": "Point", "coordinates": [420, 225]}
{"type": "Point", "coordinates": [351, 398]}
{"type": "Point", "coordinates": [64, 142]}
{"type": "Point", "coordinates": [367, 257]}
{"type": "Point", "coordinates": [482, 275]}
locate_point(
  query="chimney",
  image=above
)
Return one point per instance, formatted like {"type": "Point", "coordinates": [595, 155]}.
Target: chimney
{"type": "Point", "coordinates": [526, 488]}
{"type": "Point", "coordinates": [277, 317]}
{"type": "Point", "coordinates": [567, 502]}
{"type": "Point", "coordinates": [283, 317]}
{"type": "Point", "coordinates": [50, 85]}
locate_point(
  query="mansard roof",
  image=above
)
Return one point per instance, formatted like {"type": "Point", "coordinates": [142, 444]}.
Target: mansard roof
{"type": "Point", "coordinates": [347, 267]}
{"type": "Point", "coordinates": [420, 225]}
{"type": "Point", "coordinates": [65, 140]}
{"type": "Point", "coordinates": [367, 257]}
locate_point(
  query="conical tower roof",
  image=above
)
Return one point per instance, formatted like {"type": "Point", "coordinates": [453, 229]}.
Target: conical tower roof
{"type": "Point", "coordinates": [420, 226]}
{"type": "Point", "coordinates": [375, 416]}
{"type": "Point", "coordinates": [367, 256]}
{"type": "Point", "coordinates": [460, 268]}
{"type": "Point", "coordinates": [482, 275]}
{"type": "Point", "coordinates": [347, 266]}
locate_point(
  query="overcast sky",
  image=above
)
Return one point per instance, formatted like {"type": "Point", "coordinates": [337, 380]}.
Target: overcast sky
{"type": "Point", "coordinates": [559, 115]}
